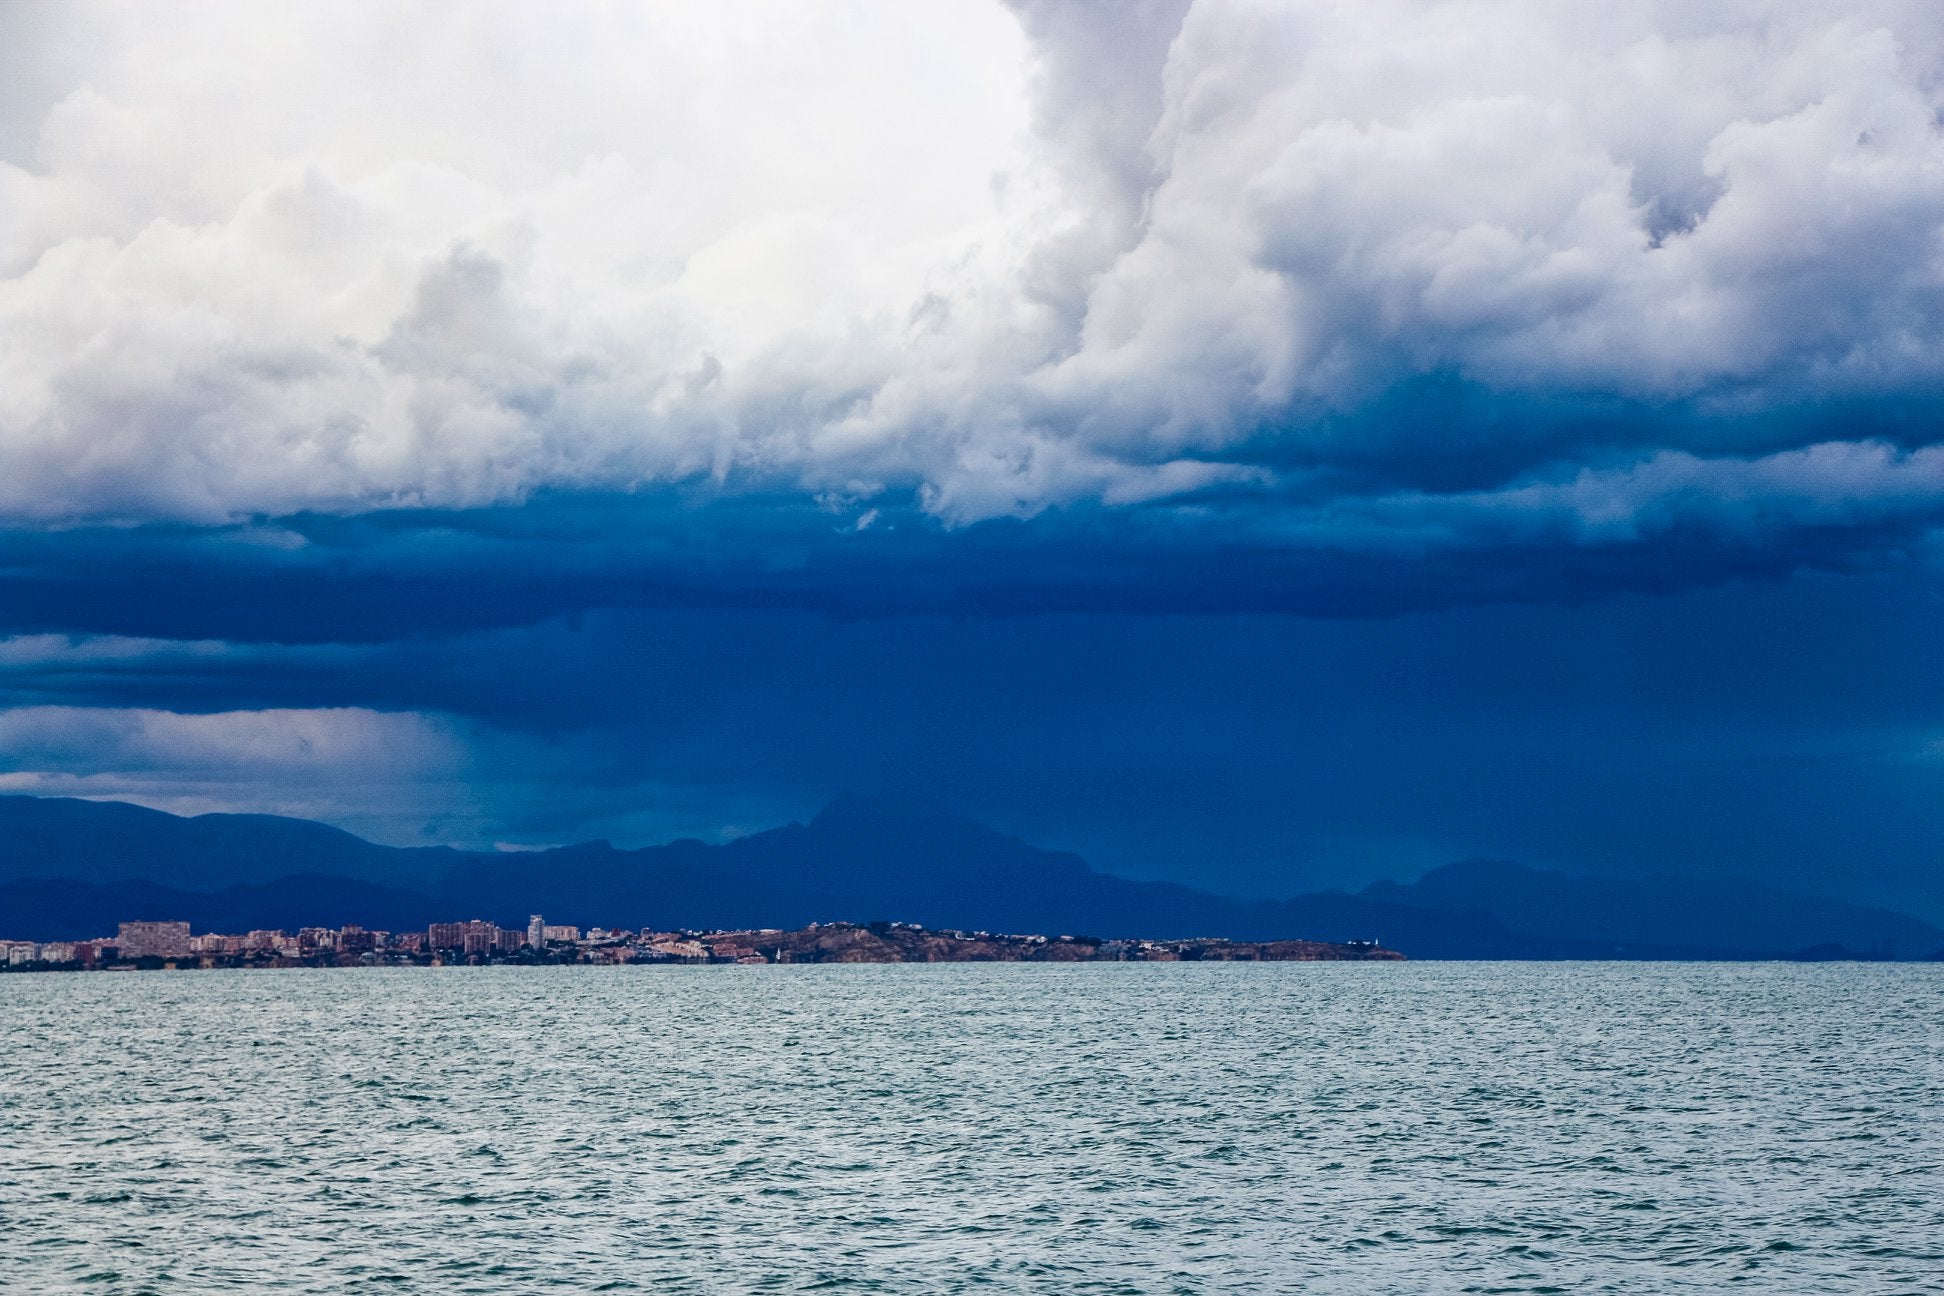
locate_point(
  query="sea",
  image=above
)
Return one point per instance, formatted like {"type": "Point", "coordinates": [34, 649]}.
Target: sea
{"type": "Point", "coordinates": [1096, 1128]}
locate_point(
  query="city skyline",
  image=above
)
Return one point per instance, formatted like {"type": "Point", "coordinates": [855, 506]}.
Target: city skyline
{"type": "Point", "coordinates": [169, 945]}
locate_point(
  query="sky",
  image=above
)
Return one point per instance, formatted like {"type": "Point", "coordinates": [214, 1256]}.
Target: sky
{"type": "Point", "coordinates": [1270, 445]}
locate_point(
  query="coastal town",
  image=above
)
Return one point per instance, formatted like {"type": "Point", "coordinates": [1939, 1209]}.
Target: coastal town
{"type": "Point", "coordinates": [156, 945]}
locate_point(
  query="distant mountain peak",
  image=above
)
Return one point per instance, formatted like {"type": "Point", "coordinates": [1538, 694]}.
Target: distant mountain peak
{"type": "Point", "coordinates": [76, 864]}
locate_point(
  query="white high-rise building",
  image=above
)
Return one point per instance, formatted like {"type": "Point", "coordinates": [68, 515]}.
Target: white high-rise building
{"type": "Point", "coordinates": [537, 932]}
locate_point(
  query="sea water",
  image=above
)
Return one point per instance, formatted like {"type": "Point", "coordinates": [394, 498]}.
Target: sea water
{"type": "Point", "coordinates": [1129, 1128]}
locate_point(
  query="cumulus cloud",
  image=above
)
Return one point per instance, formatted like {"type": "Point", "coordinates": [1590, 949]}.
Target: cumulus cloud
{"type": "Point", "coordinates": [345, 257]}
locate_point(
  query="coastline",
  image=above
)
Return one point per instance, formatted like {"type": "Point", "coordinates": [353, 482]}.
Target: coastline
{"type": "Point", "coordinates": [838, 942]}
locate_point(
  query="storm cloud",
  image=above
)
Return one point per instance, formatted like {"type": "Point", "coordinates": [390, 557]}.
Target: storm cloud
{"type": "Point", "coordinates": [365, 256]}
{"type": "Point", "coordinates": [1266, 444]}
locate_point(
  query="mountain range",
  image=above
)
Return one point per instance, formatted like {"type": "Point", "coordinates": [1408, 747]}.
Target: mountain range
{"type": "Point", "coordinates": [72, 868]}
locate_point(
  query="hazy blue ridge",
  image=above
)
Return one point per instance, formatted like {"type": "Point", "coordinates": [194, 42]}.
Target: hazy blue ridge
{"type": "Point", "coordinates": [1696, 914]}
{"type": "Point", "coordinates": [108, 841]}
{"type": "Point", "coordinates": [73, 868]}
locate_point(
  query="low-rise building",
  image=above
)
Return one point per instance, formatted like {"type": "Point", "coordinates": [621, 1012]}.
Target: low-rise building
{"type": "Point", "coordinates": [153, 940]}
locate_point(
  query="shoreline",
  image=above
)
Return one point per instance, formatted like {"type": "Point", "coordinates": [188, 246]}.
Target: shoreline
{"type": "Point", "coordinates": [819, 943]}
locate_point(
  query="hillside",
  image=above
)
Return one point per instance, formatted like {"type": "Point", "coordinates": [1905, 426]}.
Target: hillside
{"type": "Point", "coordinates": [72, 868]}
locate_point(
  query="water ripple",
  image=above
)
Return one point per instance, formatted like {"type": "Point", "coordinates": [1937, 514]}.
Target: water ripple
{"type": "Point", "coordinates": [1413, 1128]}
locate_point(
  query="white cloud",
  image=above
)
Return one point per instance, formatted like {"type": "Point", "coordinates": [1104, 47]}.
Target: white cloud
{"type": "Point", "coordinates": [299, 762]}
{"type": "Point", "coordinates": [69, 651]}
{"type": "Point", "coordinates": [347, 256]}
{"type": "Point", "coordinates": [1861, 485]}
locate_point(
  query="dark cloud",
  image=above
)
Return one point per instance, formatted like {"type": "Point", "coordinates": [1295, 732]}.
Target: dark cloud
{"type": "Point", "coordinates": [384, 576]}
{"type": "Point", "coordinates": [1264, 444]}
{"type": "Point", "coordinates": [1784, 729]}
